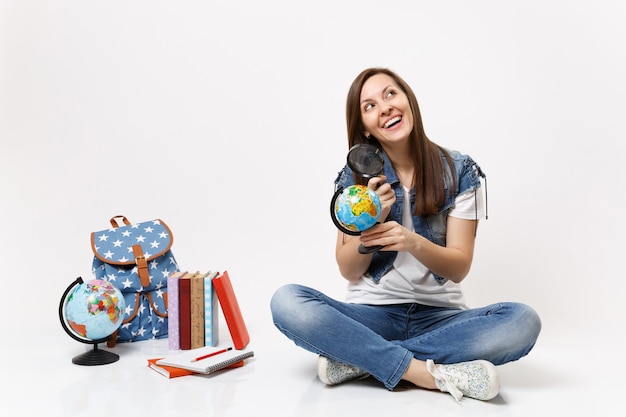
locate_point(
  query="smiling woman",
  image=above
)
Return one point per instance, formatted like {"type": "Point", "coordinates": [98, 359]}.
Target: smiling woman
{"type": "Point", "coordinates": [406, 317]}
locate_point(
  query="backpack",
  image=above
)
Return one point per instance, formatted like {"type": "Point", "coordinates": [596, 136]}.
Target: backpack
{"type": "Point", "coordinates": [137, 258]}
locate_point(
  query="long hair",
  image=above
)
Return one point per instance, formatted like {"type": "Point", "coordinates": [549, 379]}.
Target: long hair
{"type": "Point", "coordinates": [430, 172]}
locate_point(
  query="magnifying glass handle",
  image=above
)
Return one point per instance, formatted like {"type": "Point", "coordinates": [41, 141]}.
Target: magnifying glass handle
{"type": "Point", "coordinates": [364, 250]}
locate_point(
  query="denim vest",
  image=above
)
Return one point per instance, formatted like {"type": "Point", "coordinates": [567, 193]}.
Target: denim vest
{"type": "Point", "coordinates": [432, 227]}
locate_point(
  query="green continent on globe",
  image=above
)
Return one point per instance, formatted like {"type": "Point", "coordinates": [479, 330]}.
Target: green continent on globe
{"type": "Point", "coordinates": [361, 201]}
{"type": "Point", "coordinates": [357, 208]}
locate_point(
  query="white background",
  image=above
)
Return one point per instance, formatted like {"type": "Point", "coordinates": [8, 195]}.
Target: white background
{"type": "Point", "coordinates": [226, 120]}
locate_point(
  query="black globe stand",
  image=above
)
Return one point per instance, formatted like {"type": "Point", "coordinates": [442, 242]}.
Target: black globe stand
{"type": "Point", "coordinates": [94, 356]}
{"type": "Point", "coordinates": [365, 250]}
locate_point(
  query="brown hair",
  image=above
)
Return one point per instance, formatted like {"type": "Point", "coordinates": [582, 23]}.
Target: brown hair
{"type": "Point", "coordinates": [430, 171]}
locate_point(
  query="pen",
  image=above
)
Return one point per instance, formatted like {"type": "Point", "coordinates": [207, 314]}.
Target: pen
{"type": "Point", "coordinates": [199, 358]}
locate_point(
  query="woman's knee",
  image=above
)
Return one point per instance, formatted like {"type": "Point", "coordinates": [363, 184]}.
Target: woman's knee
{"type": "Point", "coordinates": [524, 328]}
{"type": "Point", "coordinates": [281, 297]}
{"type": "Point", "coordinates": [287, 301]}
{"type": "Point", "coordinates": [530, 320]}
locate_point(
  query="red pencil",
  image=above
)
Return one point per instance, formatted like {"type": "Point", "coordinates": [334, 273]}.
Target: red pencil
{"type": "Point", "coordinates": [211, 354]}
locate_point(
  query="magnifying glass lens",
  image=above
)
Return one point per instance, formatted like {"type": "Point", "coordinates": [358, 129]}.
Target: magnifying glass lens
{"type": "Point", "coordinates": [365, 160]}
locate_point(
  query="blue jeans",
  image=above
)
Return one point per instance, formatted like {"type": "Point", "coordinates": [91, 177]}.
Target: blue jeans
{"type": "Point", "coordinates": [382, 339]}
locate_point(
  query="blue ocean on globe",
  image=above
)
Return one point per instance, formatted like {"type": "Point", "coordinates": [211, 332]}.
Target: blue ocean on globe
{"type": "Point", "coordinates": [358, 208]}
{"type": "Point", "coordinates": [94, 309]}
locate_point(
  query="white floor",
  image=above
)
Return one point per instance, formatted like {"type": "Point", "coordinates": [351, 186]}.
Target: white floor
{"type": "Point", "coordinates": [556, 379]}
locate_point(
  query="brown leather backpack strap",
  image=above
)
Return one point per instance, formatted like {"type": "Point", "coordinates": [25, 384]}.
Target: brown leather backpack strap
{"type": "Point", "coordinates": [154, 307]}
{"type": "Point", "coordinates": [142, 266]}
{"type": "Point", "coordinates": [112, 339]}
{"type": "Point", "coordinates": [132, 316]}
{"type": "Point", "coordinates": [114, 222]}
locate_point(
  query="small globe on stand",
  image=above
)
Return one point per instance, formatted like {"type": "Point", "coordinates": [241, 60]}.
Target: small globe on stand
{"type": "Point", "coordinates": [355, 209]}
{"type": "Point", "coordinates": [90, 312]}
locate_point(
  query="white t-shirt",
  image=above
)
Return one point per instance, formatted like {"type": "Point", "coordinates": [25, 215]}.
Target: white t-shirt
{"type": "Point", "coordinates": [409, 281]}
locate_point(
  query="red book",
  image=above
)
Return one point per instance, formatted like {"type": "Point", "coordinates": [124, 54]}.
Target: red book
{"type": "Point", "coordinates": [232, 313]}
{"type": "Point", "coordinates": [184, 310]}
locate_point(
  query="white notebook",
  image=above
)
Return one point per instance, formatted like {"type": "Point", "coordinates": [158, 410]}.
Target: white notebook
{"type": "Point", "coordinates": [206, 359]}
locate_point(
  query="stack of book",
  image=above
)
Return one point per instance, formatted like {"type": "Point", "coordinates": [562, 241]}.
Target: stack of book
{"type": "Point", "coordinates": [192, 310]}
{"type": "Point", "coordinates": [194, 301]}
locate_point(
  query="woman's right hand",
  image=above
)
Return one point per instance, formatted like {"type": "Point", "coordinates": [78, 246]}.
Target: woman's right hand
{"type": "Point", "coordinates": [385, 194]}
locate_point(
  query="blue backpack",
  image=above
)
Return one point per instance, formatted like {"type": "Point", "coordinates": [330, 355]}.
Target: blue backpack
{"type": "Point", "coordinates": [136, 258]}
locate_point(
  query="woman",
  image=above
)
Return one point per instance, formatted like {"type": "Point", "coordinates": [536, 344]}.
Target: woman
{"type": "Point", "coordinates": [405, 316]}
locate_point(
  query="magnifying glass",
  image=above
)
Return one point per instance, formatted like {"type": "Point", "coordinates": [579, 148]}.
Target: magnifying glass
{"type": "Point", "coordinates": [366, 160]}
{"type": "Point", "coordinates": [357, 208]}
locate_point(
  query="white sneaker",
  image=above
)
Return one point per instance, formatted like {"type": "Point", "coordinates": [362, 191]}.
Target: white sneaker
{"type": "Point", "coordinates": [475, 379]}
{"type": "Point", "coordinates": [331, 372]}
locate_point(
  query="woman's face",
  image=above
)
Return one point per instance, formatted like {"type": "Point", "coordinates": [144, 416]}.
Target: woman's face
{"type": "Point", "coordinates": [385, 110]}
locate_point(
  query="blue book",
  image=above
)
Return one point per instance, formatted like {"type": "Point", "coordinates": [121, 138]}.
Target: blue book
{"type": "Point", "coordinates": [211, 311]}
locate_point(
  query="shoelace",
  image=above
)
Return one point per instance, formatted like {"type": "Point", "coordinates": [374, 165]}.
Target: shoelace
{"type": "Point", "coordinates": [449, 385]}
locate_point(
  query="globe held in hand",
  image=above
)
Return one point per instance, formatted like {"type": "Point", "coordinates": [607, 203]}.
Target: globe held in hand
{"type": "Point", "coordinates": [357, 208]}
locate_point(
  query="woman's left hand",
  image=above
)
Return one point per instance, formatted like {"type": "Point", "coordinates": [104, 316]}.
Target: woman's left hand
{"type": "Point", "coordinates": [392, 235]}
